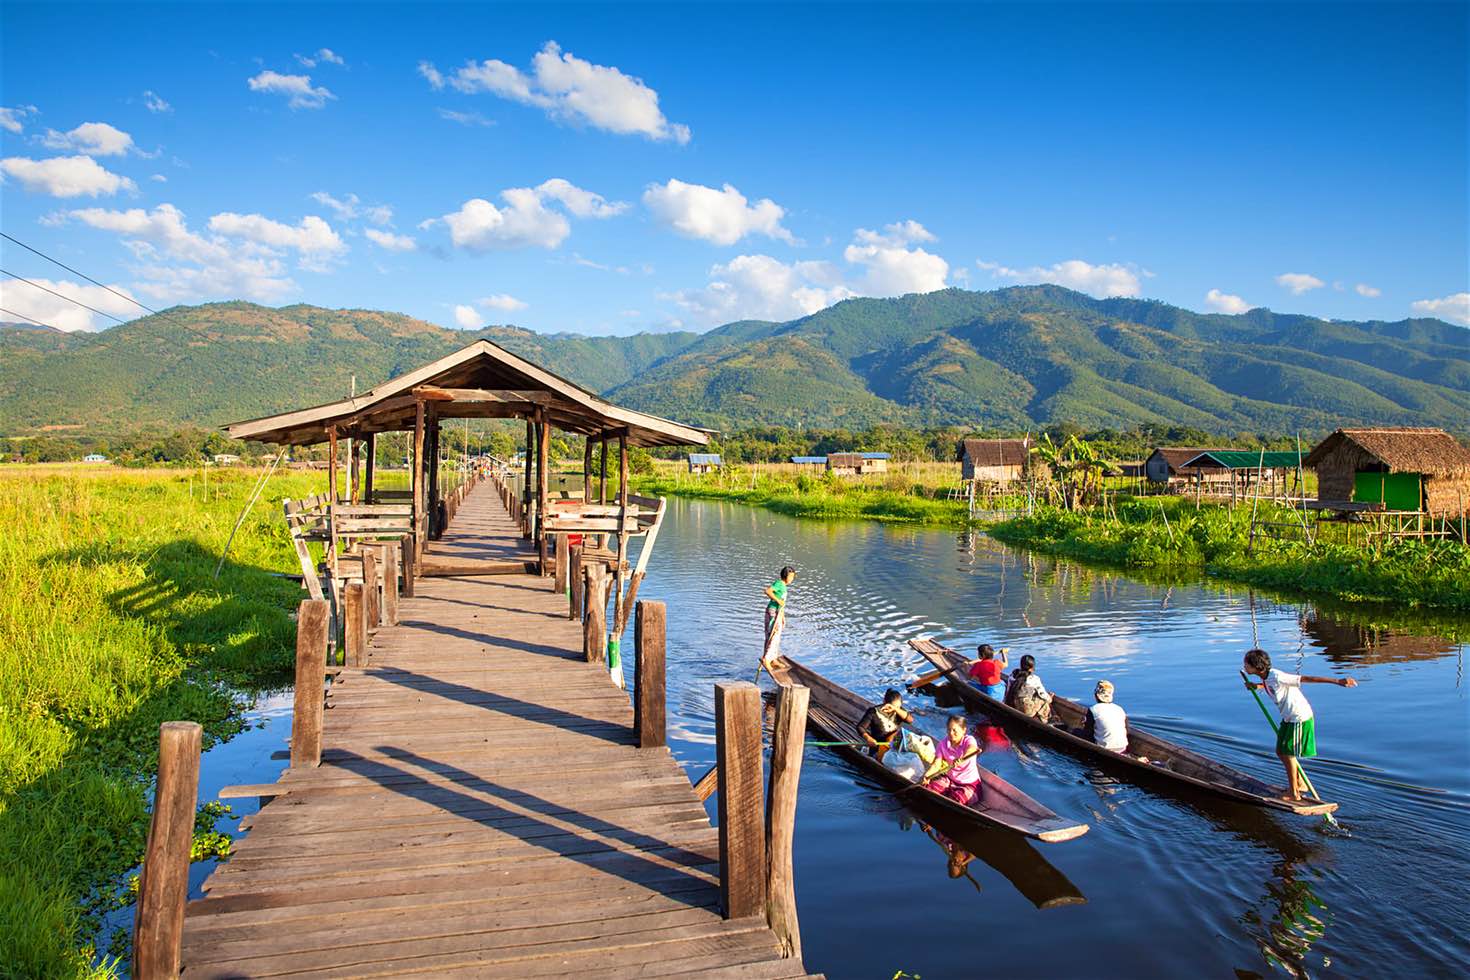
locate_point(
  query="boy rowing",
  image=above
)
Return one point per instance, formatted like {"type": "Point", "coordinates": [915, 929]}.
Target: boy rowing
{"type": "Point", "coordinates": [1297, 736]}
{"type": "Point", "coordinates": [776, 615]}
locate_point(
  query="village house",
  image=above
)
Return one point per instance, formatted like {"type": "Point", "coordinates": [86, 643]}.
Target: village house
{"type": "Point", "coordinates": [995, 460]}
{"type": "Point", "coordinates": [1175, 464]}
{"type": "Point", "coordinates": [857, 464]}
{"type": "Point", "coordinates": [704, 462]}
{"type": "Point", "coordinates": [1393, 469]}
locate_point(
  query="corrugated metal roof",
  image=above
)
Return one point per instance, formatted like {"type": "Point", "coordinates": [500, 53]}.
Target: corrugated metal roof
{"type": "Point", "coordinates": [1247, 459]}
{"type": "Point", "coordinates": [704, 459]}
{"type": "Point", "coordinates": [810, 460]}
{"type": "Point", "coordinates": [876, 455]}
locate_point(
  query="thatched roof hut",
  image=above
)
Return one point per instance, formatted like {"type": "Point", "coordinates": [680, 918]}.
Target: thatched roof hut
{"type": "Point", "coordinates": [999, 460]}
{"type": "Point", "coordinates": [1400, 468]}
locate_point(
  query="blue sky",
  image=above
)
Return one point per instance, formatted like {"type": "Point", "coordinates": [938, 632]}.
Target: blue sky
{"type": "Point", "coordinates": [613, 168]}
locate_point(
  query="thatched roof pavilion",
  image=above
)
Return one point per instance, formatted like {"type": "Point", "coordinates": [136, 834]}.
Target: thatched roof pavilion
{"type": "Point", "coordinates": [1392, 468]}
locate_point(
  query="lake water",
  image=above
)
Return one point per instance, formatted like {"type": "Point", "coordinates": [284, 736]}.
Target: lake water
{"type": "Point", "coordinates": [1160, 885]}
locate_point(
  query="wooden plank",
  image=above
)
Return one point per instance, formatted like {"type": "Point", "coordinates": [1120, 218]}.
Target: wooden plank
{"type": "Point", "coordinates": [742, 834]}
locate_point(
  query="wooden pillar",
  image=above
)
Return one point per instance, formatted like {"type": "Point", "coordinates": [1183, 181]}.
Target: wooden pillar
{"type": "Point", "coordinates": [432, 461]}
{"type": "Point", "coordinates": [787, 740]}
{"type": "Point", "coordinates": [393, 562]}
{"type": "Point", "coordinates": [332, 465]}
{"type": "Point", "coordinates": [594, 627]}
{"type": "Point", "coordinates": [354, 487]}
{"type": "Point", "coordinates": [602, 483]}
{"type": "Point", "coordinates": [742, 834]}
{"type": "Point", "coordinates": [587, 472]}
{"type": "Point", "coordinates": [410, 547]}
{"type": "Point", "coordinates": [163, 887]}
{"type": "Point", "coordinates": [354, 625]}
{"type": "Point", "coordinates": [369, 466]}
{"type": "Point", "coordinates": [620, 617]}
{"type": "Point", "coordinates": [419, 525]}
{"type": "Point", "coordinates": [543, 486]}
{"type": "Point", "coordinates": [575, 582]}
{"type": "Point", "coordinates": [563, 565]}
{"type": "Point", "coordinates": [649, 630]}
{"type": "Point", "coordinates": [529, 472]}
{"type": "Point", "coordinates": [312, 619]}
{"type": "Point", "coordinates": [372, 606]}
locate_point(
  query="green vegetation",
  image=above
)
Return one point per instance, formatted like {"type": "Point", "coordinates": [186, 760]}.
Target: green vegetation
{"type": "Point", "coordinates": [1010, 359]}
{"type": "Point", "coordinates": [1171, 534]}
{"type": "Point", "coordinates": [111, 622]}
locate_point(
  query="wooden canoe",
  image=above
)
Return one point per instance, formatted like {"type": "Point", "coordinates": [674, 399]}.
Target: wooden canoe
{"type": "Point", "coordinates": [1166, 760]}
{"type": "Point", "coordinates": [834, 714]}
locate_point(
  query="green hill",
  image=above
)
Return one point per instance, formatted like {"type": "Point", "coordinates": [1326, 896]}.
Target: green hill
{"type": "Point", "coordinates": [1011, 358]}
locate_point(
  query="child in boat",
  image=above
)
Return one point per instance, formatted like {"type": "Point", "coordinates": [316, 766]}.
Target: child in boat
{"type": "Point", "coordinates": [986, 671]}
{"type": "Point", "coordinates": [880, 723]}
{"type": "Point", "coordinates": [1107, 723]}
{"type": "Point", "coordinates": [955, 773]}
{"type": "Point", "coordinates": [1297, 736]}
{"type": "Point", "coordinates": [1026, 693]}
{"type": "Point", "coordinates": [776, 615]}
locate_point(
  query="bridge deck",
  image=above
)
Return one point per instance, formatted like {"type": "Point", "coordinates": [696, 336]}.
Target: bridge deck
{"type": "Point", "coordinates": [481, 809]}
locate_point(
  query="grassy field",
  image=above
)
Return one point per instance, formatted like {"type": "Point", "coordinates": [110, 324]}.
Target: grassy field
{"type": "Point", "coordinates": [111, 622]}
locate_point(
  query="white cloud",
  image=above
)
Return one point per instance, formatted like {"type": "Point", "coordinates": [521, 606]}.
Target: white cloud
{"type": "Point", "coordinates": [524, 221]}
{"type": "Point", "coordinates": [569, 88]}
{"type": "Point", "coordinates": [65, 176]}
{"type": "Point", "coordinates": [465, 118]}
{"type": "Point", "coordinates": [895, 271]}
{"type": "Point", "coordinates": [349, 207]}
{"type": "Point", "coordinates": [1096, 280]}
{"type": "Point", "coordinates": [297, 89]}
{"type": "Point", "coordinates": [12, 118]}
{"type": "Point", "coordinates": [390, 241]}
{"type": "Point", "coordinates": [154, 102]}
{"type": "Point", "coordinates": [325, 56]}
{"type": "Point", "coordinates": [60, 313]}
{"type": "Point", "coordinates": [94, 139]}
{"type": "Point", "coordinates": [1363, 289]}
{"type": "Point", "coordinates": [719, 216]}
{"type": "Point", "coordinates": [1454, 308]}
{"type": "Point", "coordinates": [1298, 282]}
{"type": "Point", "coordinates": [312, 238]}
{"type": "Point", "coordinates": [583, 204]}
{"type": "Point", "coordinates": [761, 287]}
{"type": "Point", "coordinates": [898, 233]}
{"type": "Point", "coordinates": [158, 178]}
{"type": "Point", "coordinates": [1225, 302]}
{"type": "Point", "coordinates": [500, 301]}
{"type": "Point", "coordinates": [468, 317]}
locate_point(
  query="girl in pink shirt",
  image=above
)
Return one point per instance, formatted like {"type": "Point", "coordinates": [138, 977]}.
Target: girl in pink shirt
{"type": "Point", "coordinates": [955, 773]}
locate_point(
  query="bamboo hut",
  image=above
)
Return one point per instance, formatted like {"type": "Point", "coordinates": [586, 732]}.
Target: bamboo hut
{"type": "Point", "coordinates": [857, 464]}
{"type": "Point", "coordinates": [1392, 469]}
{"type": "Point", "coordinates": [1172, 464]}
{"type": "Point", "coordinates": [995, 460]}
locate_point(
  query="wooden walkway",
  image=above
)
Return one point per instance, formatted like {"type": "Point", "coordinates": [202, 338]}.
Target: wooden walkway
{"type": "Point", "coordinates": [481, 810]}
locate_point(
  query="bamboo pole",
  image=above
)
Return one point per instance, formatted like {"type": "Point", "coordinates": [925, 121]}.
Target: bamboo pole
{"type": "Point", "coordinates": [163, 887]}
{"type": "Point", "coordinates": [787, 741]}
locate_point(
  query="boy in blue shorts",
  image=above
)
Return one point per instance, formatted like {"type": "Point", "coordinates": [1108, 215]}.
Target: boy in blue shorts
{"type": "Point", "coordinates": [1297, 736]}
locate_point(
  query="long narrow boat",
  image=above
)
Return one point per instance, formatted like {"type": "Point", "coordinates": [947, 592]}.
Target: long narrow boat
{"type": "Point", "coordinates": [1166, 760]}
{"type": "Point", "coordinates": [834, 713]}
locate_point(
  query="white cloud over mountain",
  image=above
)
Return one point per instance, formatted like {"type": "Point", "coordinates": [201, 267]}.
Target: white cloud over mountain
{"type": "Point", "coordinates": [1108, 279]}
{"type": "Point", "coordinates": [1299, 282]}
{"type": "Point", "coordinates": [722, 217]}
{"type": "Point", "coordinates": [1225, 302]}
{"type": "Point", "coordinates": [54, 311]}
{"type": "Point", "coordinates": [524, 220]}
{"type": "Point", "coordinates": [1455, 308]}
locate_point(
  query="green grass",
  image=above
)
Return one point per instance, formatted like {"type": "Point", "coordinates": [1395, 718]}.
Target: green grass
{"type": "Point", "coordinates": [110, 623]}
{"type": "Point", "coordinates": [894, 499]}
{"type": "Point", "coordinates": [1213, 539]}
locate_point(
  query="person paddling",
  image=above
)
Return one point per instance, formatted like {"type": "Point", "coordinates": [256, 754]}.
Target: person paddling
{"type": "Point", "coordinates": [776, 615]}
{"type": "Point", "coordinates": [1297, 736]}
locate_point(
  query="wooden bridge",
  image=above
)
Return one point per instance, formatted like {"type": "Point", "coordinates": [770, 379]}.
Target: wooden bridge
{"type": "Point", "coordinates": [482, 806]}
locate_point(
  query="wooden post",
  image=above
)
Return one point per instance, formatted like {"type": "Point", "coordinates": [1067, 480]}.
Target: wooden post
{"type": "Point", "coordinates": [576, 582]}
{"type": "Point", "coordinates": [563, 562]}
{"type": "Point", "coordinates": [393, 562]}
{"type": "Point", "coordinates": [587, 472]}
{"type": "Point", "coordinates": [433, 463]}
{"type": "Point", "coordinates": [371, 448]}
{"type": "Point", "coordinates": [410, 546]}
{"type": "Point", "coordinates": [742, 836]}
{"type": "Point", "coordinates": [418, 470]}
{"type": "Point", "coordinates": [163, 888]}
{"type": "Point", "coordinates": [527, 472]}
{"type": "Point", "coordinates": [372, 606]}
{"type": "Point", "coordinates": [621, 617]}
{"type": "Point", "coordinates": [332, 466]}
{"type": "Point", "coordinates": [543, 456]}
{"type": "Point", "coordinates": [312, 618]}
{"type": "Point", "coordinates": [787, 741]}
{"type": "Point", "coordinates": [594, 627]}
{"type": "Point", "coordinates": [602, 483]}
{"type": "Point", "coordinates": [649, 629]}
{"type": "Point", "coordinates": [354, 625]}
{"type": "Point", "coordinates": [354, 456]}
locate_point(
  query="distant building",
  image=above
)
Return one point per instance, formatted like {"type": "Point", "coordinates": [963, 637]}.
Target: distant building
{"type": "Point", "coordinates": [857, 464]}
{"type": "Point", "coordinates": [1402, 469]}
{"type": "Point", "coordinates": [809, 460]}
{"type": "Point", "coordinates": [95, 458]}
{"type": "Point", "coordinates": [995, 460]}
{"type": "Point", "coordinates": [1170, 464]}
{"type": "Point", "coordinates": [225, 459]}
{"type": "Point", "coordinates": [704, 462]}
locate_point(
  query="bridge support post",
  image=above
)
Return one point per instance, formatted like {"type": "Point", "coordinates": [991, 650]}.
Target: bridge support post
{"type": "Point", "coordinates": [372, 605]}
{"type": "Point", "coordinates": [742, 834]}
{"type": "Point", "coordinates": [392, 563]}
{"type": "Point", "coordinates": [594, 627]}
{"type": "Point", "coordinates": [563, 579]}
{"type": "Point", "coordinates": [312, 618]}
{"type": "Point", "coordinates": [649, 631]}
{"type": "Point", "coordinates": [158, 926]}
{"type": "Point", "coordinates": [788, 739]}
{"type": "Point", "coordinates": [354, 626]}
{"type": "Point", "coordinates": [577, 581]}
{"type": "Point", "coordinates": [409, 545]}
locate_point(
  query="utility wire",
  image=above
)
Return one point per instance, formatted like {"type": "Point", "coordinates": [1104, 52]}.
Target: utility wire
{"type": "Point", "coordinates": [75, 272]}
{"type": "Point", "coordinates": [24, 317]}
{"type": "Point", "coordinates": [61, 295]}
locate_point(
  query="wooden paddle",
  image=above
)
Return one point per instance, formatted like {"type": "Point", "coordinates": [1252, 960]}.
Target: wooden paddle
{"type": "Point", "coordinates": [928, 678]}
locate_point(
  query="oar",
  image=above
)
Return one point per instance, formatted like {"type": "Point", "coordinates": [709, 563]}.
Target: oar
{"type": "Point", "coordinates": [1301, 770]}
{"type": "Point", "coordinates": [927, 678]}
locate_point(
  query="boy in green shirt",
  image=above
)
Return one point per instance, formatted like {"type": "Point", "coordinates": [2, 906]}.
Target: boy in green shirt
{"type": "Point", "coordinates": [776, 615]}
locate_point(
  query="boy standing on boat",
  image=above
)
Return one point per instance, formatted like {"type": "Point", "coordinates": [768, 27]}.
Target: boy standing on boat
{"type": "Point", "coordinates": [1297, 736]}
{"type": "Point", "coordinates": [776, 615]}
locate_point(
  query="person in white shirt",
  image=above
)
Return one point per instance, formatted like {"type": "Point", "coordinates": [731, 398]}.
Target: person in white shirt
{"type": "Point", "coordinates": [1296, 738]}
{"type": "Point", "coordinates": [1107, 723]}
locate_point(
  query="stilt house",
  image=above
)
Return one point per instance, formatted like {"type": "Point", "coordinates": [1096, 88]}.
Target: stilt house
{"type": "Point", "coordinates": [1393, 469]}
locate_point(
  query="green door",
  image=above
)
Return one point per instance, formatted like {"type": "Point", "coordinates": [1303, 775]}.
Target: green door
{"type": "Point", "coordinates": [1397, 491]}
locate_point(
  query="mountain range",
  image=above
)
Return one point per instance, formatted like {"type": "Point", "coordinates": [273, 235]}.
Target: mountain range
{"type": "Point", "coordinates": [1012, 358]}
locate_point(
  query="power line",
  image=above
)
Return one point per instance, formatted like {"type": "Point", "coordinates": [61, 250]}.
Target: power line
{"type": "Point", "coordinates": [75, 272]}
{"type": "Point", "coordinates": [61, 295]}
{"type": "Point", "coordinates": [24, 317]}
